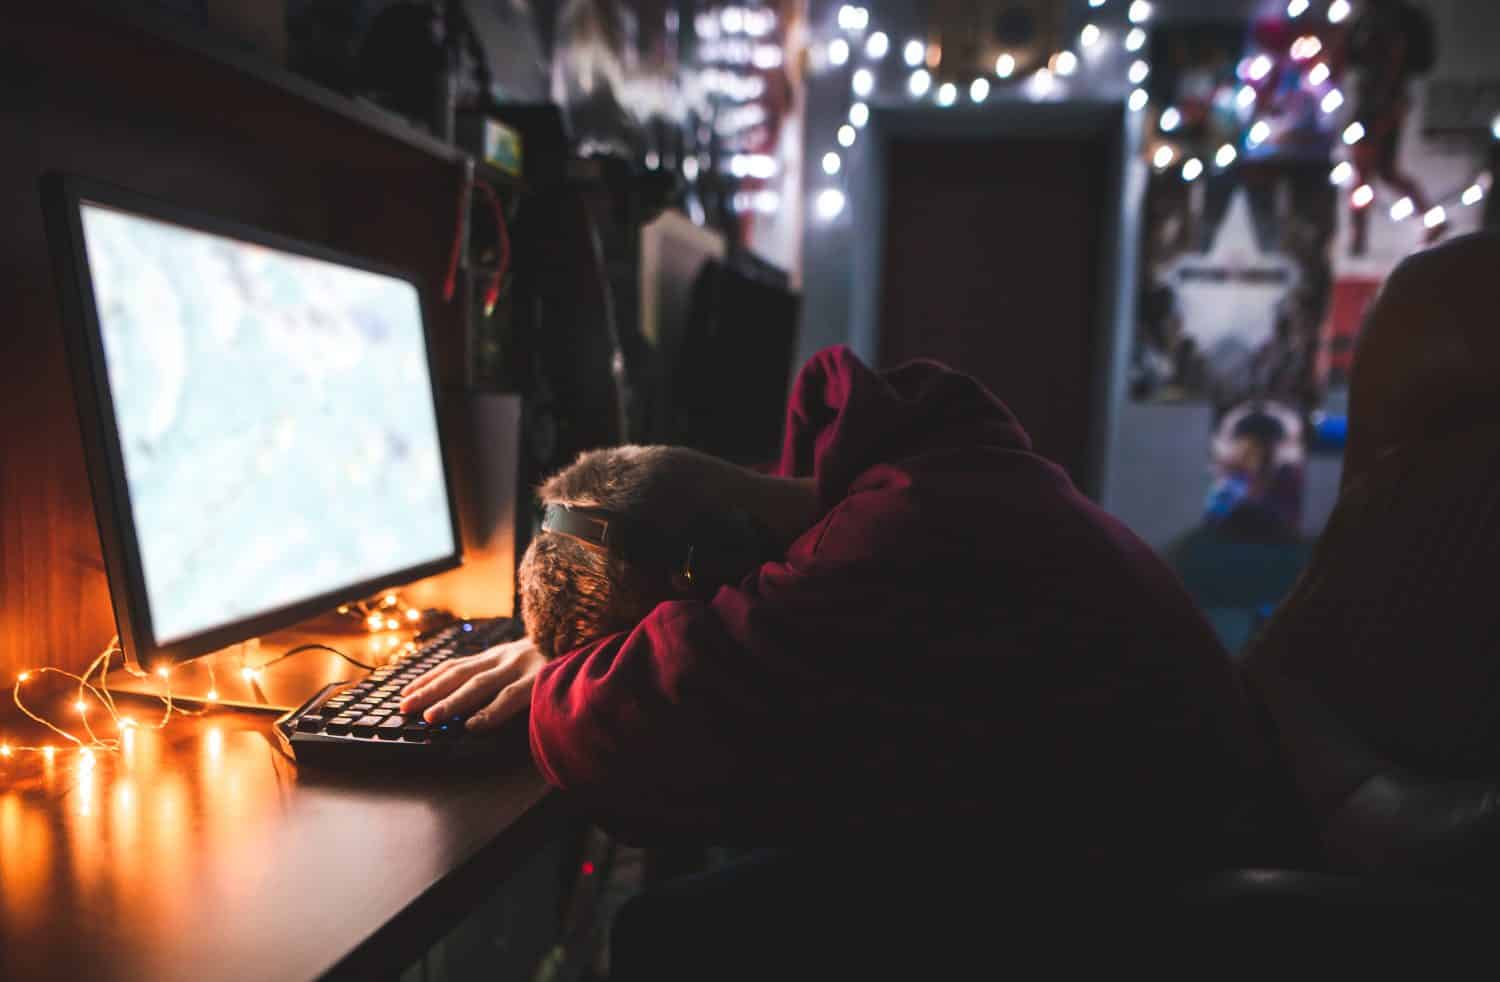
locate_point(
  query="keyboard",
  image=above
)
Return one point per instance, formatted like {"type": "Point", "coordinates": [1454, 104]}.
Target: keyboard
{"type": "Point", "coordinates": [359, 725]}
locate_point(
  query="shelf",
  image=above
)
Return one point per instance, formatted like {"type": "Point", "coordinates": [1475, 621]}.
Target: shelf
{"type": "Point", "coordinates": [224, 52]}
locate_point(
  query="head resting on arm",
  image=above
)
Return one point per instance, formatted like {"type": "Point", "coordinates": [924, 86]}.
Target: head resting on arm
{"type": "Point", "coordinates": [573, 592]}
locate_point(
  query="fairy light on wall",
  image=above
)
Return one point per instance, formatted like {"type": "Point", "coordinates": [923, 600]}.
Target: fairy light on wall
{"type": "Point", "coordinates": [980, 89]}
{"type": "Point", "coordinates": [1402, 210]}
{"type": "Point", "coordinates": [947, 94]}
{"type": "Point", "coordinates": [1225, 156]}
{"type": "Point", "coordinates": [831, 163]}
{"type": "Point", "coordinates": [1342, 173]}
{"type": "Point", "coordinates": [1473, 194]}
{"type": "Point", "coordinates": [1296, 8]}
{"type": "Point", "coordinates": [919, 83]}
{"type": "Point", "coordinates": [1065, 63]}
{"type": "Point", "coordinates": [1362, 196]}
{"type": "Point", "coordinates": [859, 114]}
{"type": "Point", "coordinates": [1191, 169]}
{"type": "Point", "coordinates": [1163, 157]}
{"type": "Point", "coordinates": [1140, 12]}
{"type": "Point", "coordinates": [1170, 119]}
{"type": "Point", "coordinates": [1353, 133]}
{"type": "Point", "coordinates": [862, 82]}
{"type": "Point", "coordinates": [1089, 36]}
{"type": "Point", "coordinates": [1338, 11]}
{"type": "Point", "coordinates": [914, 53]}
{"type": "Point", "coordinates": [1138, 100]}
{"type": "Point", "coordinates": [1138, 72]}
{"type": "Point", "coordinates": [1135, 40]}
{"type": "Point", "coordinates": [838, 51]}
{"type": "Point", "coordinates": [1005, 65]}
{"type": "Point", "coordinates": [877, 45]}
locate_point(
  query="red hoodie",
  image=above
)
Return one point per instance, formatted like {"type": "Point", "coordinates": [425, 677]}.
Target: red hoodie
{"type": "Point", "coordinates": [963, 640]}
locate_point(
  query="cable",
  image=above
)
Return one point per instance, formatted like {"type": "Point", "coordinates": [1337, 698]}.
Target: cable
{"type": "Point", "coordinates": [502, 237]}
{"type": "Point", "coordinates": [316, 647]}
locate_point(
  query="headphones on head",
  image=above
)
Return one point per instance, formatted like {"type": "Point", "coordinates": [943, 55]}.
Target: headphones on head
{"type": "Point", "coordinates": [713, 550]}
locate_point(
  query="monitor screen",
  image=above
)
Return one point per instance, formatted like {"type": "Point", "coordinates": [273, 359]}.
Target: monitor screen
{"type": "Point", "coordinates": [272, 424]}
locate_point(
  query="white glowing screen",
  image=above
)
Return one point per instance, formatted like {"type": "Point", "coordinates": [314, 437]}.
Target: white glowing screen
{"type": "Point", "coordinates": [275, 417]}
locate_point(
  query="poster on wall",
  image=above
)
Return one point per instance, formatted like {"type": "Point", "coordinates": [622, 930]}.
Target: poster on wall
{"type": "Point", "coordinates": [1294, 160]}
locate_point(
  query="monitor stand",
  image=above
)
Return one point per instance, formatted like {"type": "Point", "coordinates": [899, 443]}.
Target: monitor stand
{"type": "Point", "coordinates": [279, 687]}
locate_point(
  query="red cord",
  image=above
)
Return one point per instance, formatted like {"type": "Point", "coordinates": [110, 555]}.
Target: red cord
{"type": "Point", "coordinates": [502, 235]}
{"type": "Point", "coordinates": [451, 280]}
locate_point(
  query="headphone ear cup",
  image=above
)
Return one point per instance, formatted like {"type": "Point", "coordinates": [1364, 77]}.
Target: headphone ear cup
{"type": "Point", "coordinates": [726, 547]}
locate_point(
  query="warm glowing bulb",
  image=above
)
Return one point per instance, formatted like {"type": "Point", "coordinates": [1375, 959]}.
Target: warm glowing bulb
{"type": "Point", "coordinates": [1089, 36]}
{"type": "Point", "coordinates": [86, 758]}
{"type": "Point", "coordinates": [23, 676]}
{"type": "Point", "coordinates": [1005, 65]}
{"type": "Point", "coordinates": [1066, 63]}
{"type": "Point", "coordinates": [1435, 217]}
{"type": "Point", "coordinates": [4, 750]}
{"type": "Point", "coordinates": [391, 624]}
{"type": "Point", "coordinates": [1402, 210]}
{"type": "Point", "coordinates": [1473, 194]}
{"type": "Point", "coordinates": [163, 671]}
{"type": "Point", "coordinates": [1362, 196]}
{"type": "Point", "coordinates": [390, 600]}
{"type": "Point", "coordinates": [79, 705]}
{"type": "Point", "coordinates": [126, 722]}
{"type": "Point", "coordinates": [413, 614]}
{"type": "Point", "coordinates": [1341, 173]}
{"type": "Point", "coordinates": [247, 673]}
{"type": "Point", "coordinates": [48, 751]}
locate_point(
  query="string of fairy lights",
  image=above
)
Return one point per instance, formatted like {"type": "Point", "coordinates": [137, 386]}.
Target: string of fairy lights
{"type": "Point", "coordinates": [382, 617]}
{"type": "Point", "coordinates": [1310, 57]}
{"type": "Point", "coordinates": [859, 49]}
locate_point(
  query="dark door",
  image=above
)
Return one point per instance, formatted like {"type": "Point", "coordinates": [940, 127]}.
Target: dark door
{"type": "Point", "coordinates": [991, 263]}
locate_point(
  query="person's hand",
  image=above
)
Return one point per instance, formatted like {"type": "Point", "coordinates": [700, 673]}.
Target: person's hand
{"type": "Point", "coordinates": [489, 688]}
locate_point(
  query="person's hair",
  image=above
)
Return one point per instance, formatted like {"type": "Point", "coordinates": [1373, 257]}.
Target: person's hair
{"type": "Point", "coordinates": [572, 593]}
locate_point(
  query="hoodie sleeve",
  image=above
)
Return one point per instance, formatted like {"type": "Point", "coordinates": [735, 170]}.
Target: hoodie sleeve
{"type": "Point", "coordinates": [642, 728]}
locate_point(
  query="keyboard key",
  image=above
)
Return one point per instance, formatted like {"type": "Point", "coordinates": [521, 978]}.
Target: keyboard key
{"type": "Point", "coordinates": [415, 731]}
{"type": "Point", "coordinates": [339, 726]}
{"type": "Point", "coordinates": [309, 724]}
{"type": "Point", "coordinates": [366, 726]}
{"type": "Point", "coordinates": [383, 711]}
{"type": "Point", "coordinates": [391, 729]}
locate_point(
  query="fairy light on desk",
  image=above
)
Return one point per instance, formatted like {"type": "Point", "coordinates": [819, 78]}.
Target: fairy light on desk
{"type": "Point", "coordinates": [382, 617]}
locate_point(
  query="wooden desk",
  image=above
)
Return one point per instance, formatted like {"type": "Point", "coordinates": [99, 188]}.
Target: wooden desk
{"type": "Point", "coordinates": [201, 853]}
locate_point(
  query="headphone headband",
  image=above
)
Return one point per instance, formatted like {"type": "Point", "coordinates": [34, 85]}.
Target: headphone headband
{"type": "Point", "coordinates": [611, 532]}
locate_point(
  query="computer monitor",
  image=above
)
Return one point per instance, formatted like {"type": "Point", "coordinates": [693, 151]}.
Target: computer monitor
{"type": "Point", "coordinates": [259, 417]}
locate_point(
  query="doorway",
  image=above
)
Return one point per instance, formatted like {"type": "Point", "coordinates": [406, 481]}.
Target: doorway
{"type": "Point", "coordinates": [997, 256]}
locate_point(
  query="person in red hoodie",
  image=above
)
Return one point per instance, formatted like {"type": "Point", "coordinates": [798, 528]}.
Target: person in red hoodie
{"type": "Point", "coordinates": [914, 626]}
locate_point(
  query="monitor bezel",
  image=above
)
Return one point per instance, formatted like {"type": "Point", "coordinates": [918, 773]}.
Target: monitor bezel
{"type": "Point", "coordinates": [63, 196]}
